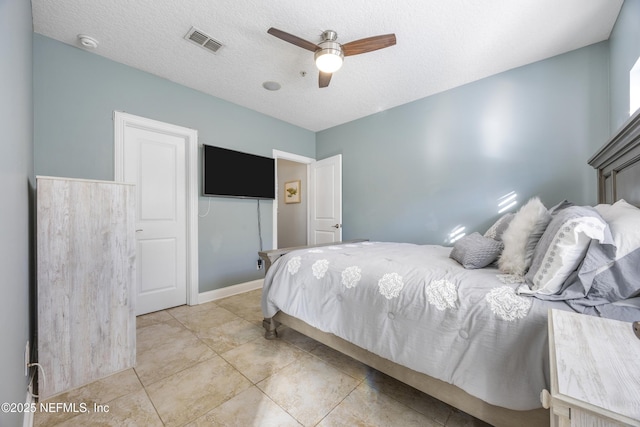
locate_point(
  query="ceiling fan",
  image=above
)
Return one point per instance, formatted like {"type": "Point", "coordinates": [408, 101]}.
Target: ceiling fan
{"type": "Point", "coordinates": [329, 54]}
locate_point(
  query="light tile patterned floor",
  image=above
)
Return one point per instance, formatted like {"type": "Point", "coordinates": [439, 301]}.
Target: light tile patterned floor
{"type": "Point", "coordinates": [209, 365]}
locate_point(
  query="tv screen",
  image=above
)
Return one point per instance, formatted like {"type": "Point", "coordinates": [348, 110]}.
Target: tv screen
{"type": "Point", "coordinates": [229, 173]}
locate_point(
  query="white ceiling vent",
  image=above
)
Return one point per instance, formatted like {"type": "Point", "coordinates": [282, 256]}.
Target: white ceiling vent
{"type": "Point", "coordinates": [203, 40]}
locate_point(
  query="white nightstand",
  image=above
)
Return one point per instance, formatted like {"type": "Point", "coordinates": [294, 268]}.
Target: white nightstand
{"type": "Point", "coordinates": [595, 371]}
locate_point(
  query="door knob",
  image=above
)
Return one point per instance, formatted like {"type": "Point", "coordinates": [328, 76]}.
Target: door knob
{"type": "Point", "coordinates": [336, 226]}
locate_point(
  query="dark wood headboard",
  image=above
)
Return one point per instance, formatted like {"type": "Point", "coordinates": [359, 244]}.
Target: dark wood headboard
{"type": "Point", "coordinates": [618, 164]}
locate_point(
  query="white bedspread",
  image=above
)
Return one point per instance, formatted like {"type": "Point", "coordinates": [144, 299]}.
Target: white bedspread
{"type": "Point", "coordinates": [414, 305]}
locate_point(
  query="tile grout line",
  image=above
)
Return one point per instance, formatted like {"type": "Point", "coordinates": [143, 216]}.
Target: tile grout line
{"type": "Point", "coordinates": [342, 400]}
{"type": "Point", "coordinates": [144, 387]}
{"type": "Point", "coordinates": [146, 392]}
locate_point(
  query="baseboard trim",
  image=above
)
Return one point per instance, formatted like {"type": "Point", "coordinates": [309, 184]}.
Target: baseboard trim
{"type": "Point", "coordinates": [240, 288]}
{"type": "Point", "coordinates": [30, 401]}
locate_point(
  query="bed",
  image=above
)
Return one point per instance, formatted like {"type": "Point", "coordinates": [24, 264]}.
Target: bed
{"type": "Point", "coordinates": [442, 321]}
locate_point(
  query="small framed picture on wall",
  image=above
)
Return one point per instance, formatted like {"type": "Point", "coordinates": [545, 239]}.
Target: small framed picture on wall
{"type": "Point", "coordinates": [292, 192]}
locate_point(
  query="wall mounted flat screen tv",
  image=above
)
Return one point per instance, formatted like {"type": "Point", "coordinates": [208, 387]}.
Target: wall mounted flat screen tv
{"type": "Point", "coordinates": [229, 173]}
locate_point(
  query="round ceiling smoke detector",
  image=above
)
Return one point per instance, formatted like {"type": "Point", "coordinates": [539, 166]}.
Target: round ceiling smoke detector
{"type": "Point", "coordinates": [87, 42]}
{"type": "Point", "coordinates": [272, 86]}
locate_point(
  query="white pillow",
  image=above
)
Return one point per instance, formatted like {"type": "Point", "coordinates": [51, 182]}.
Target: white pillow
{"type": "Point", "coordinates": [613, 275]}
{"type": "Point", "coordinates": [521, 237]}
{"type": "Point", "coordinates": [624, 222]}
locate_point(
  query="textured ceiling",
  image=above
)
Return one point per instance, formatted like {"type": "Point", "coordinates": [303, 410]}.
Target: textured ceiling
{"type": "Point", "coordinates": [441, 44]}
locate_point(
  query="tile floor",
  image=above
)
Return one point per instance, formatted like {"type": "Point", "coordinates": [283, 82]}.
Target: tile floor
{"type": "Point", "coordinates": [209, 365]}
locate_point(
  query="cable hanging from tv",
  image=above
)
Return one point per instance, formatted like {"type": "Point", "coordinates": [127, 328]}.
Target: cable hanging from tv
{"type": "Point", "coordinates": [259, 226]}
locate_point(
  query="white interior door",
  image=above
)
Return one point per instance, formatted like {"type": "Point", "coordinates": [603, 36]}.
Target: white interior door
{"type": "Point", "coordinates": [155, 163]}
{"type": "Point", "coordinates": [325, 204]}
{"type": "Point", "coordinates": [161, 159]}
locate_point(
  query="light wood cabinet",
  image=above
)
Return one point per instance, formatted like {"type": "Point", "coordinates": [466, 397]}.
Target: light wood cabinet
{"type": "Point", "coordinates": [85, 281]}
{"type": "Point", "coordinates": [595, 371]}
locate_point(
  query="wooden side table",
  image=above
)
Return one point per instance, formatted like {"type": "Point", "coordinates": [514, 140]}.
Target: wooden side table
{"type": "Point", "coordinates": [595, 371]}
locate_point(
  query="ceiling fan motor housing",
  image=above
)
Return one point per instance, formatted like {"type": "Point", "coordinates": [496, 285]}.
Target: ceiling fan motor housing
{"type": "Point", "coordinates": [329, 35]}
{"type": "Point", "coordinates": [331, 48]}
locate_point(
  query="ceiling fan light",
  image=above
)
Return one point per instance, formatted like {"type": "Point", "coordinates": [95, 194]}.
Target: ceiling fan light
{"type": "Point", "coordinates": [329, 60]}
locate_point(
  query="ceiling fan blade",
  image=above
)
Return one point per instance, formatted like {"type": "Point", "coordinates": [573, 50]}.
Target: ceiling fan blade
{"type": "Point", "coordinates": [324, 79]}
{"type": "Point", "coordinates": [368, 45]}
{"type": "Point", "coordinates": [293, 39]}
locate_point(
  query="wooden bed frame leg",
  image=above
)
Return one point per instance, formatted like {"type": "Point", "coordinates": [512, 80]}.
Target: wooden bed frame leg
{"type": "Point", "coordinates": [270, 326]}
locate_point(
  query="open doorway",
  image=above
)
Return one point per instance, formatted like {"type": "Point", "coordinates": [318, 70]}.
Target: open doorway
{"type": "Point", "coordinates": [292, 203]}
{"type": "Point", "coordinates": [290, 216]}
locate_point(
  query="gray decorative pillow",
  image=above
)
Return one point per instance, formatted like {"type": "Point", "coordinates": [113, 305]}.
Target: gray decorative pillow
{"type": "Point", "coordinates": [476, 251]}
{"type": "Point", "coordinates": [496, 230]}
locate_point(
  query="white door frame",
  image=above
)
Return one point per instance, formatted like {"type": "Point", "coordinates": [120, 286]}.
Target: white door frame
{"type": "Point", "coordinates": [277, 154]}
{"type": "Point", "coordinates": [123, 120]}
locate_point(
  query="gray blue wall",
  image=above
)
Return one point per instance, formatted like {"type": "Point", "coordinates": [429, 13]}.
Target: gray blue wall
{"type": "Point", "coordinates": [624, 48]}
{"type": "Point", "coordinates": [415, 172]}
{"type": "Point", "coordinates": [76, 93]}
{"type": "Point", "coordinates": [16, 183]}
{"type": "Point", "coordinates": [411, 173]}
